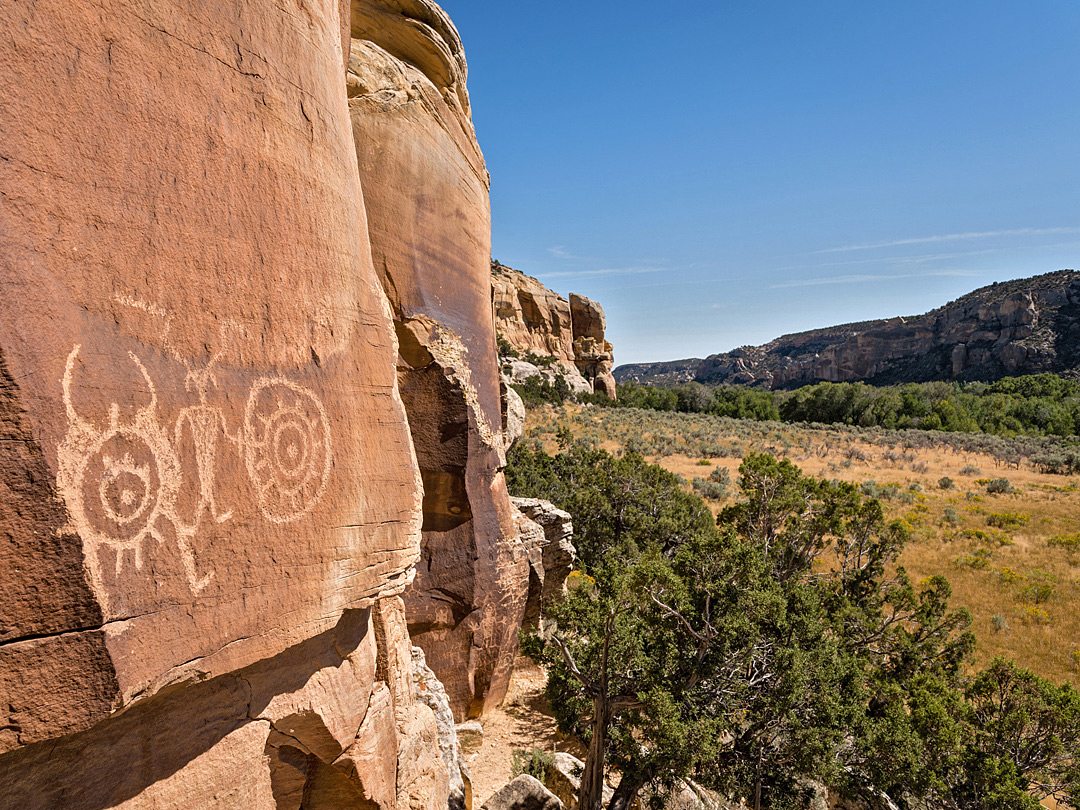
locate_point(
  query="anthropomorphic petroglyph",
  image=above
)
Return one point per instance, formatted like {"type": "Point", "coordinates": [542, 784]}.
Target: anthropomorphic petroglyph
{"type": "Point", "coordinates": [122, 481]}
{"type": "Point", "coordinates": [205, 423]}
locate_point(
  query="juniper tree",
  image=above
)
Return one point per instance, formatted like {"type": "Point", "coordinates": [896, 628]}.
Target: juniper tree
{"type": "Point", "coordinates": [781, 645]}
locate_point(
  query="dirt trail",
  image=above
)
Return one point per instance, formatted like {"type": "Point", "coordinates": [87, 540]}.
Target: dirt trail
{"type": "Point", "coordinates": [523, 721]}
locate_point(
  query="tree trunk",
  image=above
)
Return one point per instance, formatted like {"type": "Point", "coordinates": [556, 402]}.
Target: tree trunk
{"type": "Point", "coordinates": [757, 780]}
{"type": "Point", "coordinates": [633, 780]}
{"type": "Point", "coordinates": [591, 792]}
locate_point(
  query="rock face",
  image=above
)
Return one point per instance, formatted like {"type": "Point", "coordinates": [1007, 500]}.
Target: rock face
{"type": "Point", "coordinates": [1018, 327]}
{"type": "Point", "coordinates": [426, 194]}
{"type": "Point", "coordinates": [523, 793]}
{"type": "Point", "coordinates": [668, 373]}
{"type": "Point", "coordinates": [210, 503]}
{"type": "Point", "coordinates": [431, 692]}
{"type": "Point", "coordinates": [533, 319]}
{"type": "Point", "coordinates": [548, 534]}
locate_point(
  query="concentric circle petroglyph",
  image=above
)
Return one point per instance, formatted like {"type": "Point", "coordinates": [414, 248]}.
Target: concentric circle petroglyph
{"type": "Point", "coordinates": [121, 480]}
{"type": "Point", "coordinates": [286, 442]}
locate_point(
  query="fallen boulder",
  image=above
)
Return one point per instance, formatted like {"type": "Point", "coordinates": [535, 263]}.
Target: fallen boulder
{"type": "Point", "coordinates": [523, 793]}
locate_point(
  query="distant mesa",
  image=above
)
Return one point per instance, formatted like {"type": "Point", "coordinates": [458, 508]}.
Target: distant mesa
{"type": "Point", "coordinates": [1026, 326]}
{"type": "Point", "coordinates": [531, 319]}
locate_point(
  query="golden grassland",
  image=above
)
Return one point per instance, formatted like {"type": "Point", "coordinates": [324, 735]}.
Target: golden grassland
{"type": "Point", "coordinates": [1013, 558]}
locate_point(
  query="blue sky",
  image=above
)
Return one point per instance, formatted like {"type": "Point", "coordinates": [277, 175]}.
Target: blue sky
{"type": "Point", "coordinates": [720, 173]}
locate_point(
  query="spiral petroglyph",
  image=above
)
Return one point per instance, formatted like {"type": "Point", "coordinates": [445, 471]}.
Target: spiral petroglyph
{"type": "Point", "coordinates": [121, 481]}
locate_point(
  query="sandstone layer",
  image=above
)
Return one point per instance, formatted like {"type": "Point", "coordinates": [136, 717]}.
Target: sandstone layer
{"type": "Point", "coordinates": [426, 193]}
{"type": "Point", "coordinates": [530, 318]}
{"type": "Point", "coordinates": [210, 505]}
{"type": "Point", "coordinates": [548, 534]}
{"type": "Point", "coordinates": [1027, 326]}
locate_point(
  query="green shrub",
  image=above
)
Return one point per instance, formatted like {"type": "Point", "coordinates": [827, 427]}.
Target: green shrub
{"type": "Point", "coordinates": [999, 486]}
{"type": "Point", "coordinates": [945, 483]}
{"type": "Point", "coordinates": [1006, 520]}
{"type": "Point", "coordinates": [1069, 541]}
{"type": "Point", "coordinates": [978, 559]}
{"type": "Point", "coordinates": [505, 349]}
{"type": "Point", "coordinates": [710, 490]}
{"type": "Point", "coordinates": [536, 762]}
{"type": "Point", "coordinates": [1042, 587]}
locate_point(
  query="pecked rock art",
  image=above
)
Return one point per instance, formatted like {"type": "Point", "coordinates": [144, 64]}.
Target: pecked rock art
{"type": "Point", "coordinates": [121, 480]}
{"type": "Point", "coordinates": [198, 390]}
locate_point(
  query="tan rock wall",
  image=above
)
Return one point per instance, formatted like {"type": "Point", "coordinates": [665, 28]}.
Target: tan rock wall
{"type": "Point", "coordinates": [210, 501]}
{"type": "Point", "coordinates": [426, 191]}
{"type": "Point", "coordinates": [532, 318]}
{"type": "Point", "coordinates": [529, 316]}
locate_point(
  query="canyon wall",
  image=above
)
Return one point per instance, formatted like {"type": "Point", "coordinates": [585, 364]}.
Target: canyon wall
{"type": "Point", "coordinates": [210, 503]}
{"type": "Point", "coordinates": [530, 318]}
{"type": "Point", "coordinates": [426, 188]}
{"type": "Point", "coordinates": [1026, 326]}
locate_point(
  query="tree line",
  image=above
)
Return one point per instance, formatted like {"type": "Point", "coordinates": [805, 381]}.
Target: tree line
{"type": "Point", "coordinates": [776, 644]}
{"type": "Point", "coordinates": [1038, 405]}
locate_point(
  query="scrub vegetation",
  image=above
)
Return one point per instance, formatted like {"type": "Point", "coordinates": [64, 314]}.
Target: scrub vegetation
{"type": "Point", "coordinates": [842, 604]}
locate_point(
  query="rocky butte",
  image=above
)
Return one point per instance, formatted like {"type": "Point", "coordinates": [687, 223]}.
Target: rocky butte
{"type": "Point", "coordinates": [251, 429]}
{"type": "Point", "coordinates": [532, 319]}
{"type": "Point", "coordinates": [1026, 326]}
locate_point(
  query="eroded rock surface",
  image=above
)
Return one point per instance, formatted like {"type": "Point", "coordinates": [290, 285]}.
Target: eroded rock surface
{"type": "Point", "coordinates": [431, 692]}
{"type": "Point", "coordinates": [548, 534]}
{"type": "Point", "coordinates": [533, 319]}
{"type": "Point", "coordinates": [524, 793]}
{"type": "Point", "coordinates": [1027, 326]}
{"type": "Point", "coordinates": [210, 503]}
{"type": "Point", "coordinates": [426, 193]}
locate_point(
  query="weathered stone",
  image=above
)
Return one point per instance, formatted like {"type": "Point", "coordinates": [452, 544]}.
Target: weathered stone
{"type": "Point", "coordinates": [430, 692]}
{"type": "Point", "coordinates": [530, 318]}
{"type": "Point", "coordinates": [1027, 326]}
{"type": "Point", "coordinates": [547, 533]}
{"type": "Point", "coordinates": [209, 497]}
{"type": "Point", "coordinates": [426, 193]}
{"type": "Point", "coordinates": [523, 793]}
{"type": "Point", "coordinates": [470, 736]}
{"type": "Point", "coordinates": [513, 416]}
{"type": "Point", "coordinates": [518, 371]}
{"type": "Point", "coordinates": [564, 780]}
{"type": "Point", "coordinates": [688, 795]}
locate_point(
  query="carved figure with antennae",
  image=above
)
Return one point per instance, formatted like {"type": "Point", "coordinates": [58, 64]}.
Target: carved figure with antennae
{"type": "Point", "coordinates": [120, 483]}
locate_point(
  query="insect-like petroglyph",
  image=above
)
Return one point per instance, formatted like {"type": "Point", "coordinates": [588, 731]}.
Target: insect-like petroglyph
{"type": "Point", "coordinates": [122, 480]}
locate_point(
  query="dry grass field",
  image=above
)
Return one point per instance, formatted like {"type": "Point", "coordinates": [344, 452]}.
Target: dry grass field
{"type": "Point", "coordinates": [1013, 557]}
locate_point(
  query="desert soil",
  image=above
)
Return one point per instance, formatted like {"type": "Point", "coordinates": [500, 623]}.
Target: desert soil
{"type": "Point", "coordinates": [523, 722]}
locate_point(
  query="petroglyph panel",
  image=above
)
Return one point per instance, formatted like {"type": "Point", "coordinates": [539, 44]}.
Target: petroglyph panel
{"type": "Point", "coordinates": [121, 480]}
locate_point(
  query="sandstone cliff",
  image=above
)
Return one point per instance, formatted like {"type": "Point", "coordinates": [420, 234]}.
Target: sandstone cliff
{"type": "Point", "coordinates": [426, 191]}
{"type": "Point", "coordinates": [214, 321]}
{"type": "Point", "coordinates": [1027, 326]}
{"type": "Point", "coordinates": [533, 319]}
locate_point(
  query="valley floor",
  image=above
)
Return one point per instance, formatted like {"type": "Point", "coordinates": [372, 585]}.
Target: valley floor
{"type": "Point", "coordinates": [1013, 558]}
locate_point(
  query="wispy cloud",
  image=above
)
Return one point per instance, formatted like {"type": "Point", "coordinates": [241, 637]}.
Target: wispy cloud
{"type": "Point", "coordinates": [867, 278]}
{"type": "Point", "coordinates": [560, 252]}
{"type": "Point", "coordinates": [953, 237]}
{"type": "Point", "coordinates": [608, 271]}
